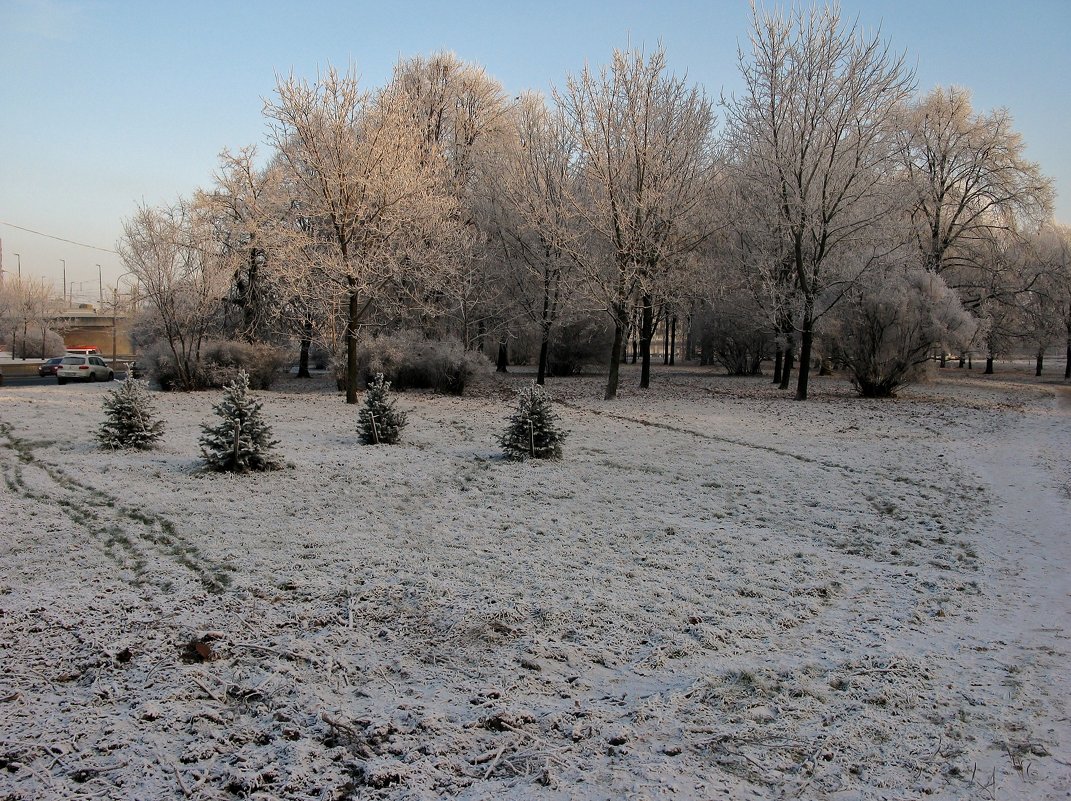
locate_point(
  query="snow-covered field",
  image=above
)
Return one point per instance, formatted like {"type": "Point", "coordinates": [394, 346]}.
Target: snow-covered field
{"type": "Point", "coordinates": [718, 593]}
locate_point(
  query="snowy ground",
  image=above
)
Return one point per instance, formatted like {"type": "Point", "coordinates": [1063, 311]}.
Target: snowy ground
{"type": "Point", "coordinates": [718, 593]}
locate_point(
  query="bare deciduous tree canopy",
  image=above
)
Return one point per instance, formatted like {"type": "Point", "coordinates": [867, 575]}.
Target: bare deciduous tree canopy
{"type": "Point", "coordinates": [813, 141]}
{"type": "Point", "coordinates": [968, 178]}
{"type": "Point", "coordinates": [437, 203]}
{"type": "Point", "coordinates": [367, 189]}
{"type": "Point", "coordinates": [647, 153]}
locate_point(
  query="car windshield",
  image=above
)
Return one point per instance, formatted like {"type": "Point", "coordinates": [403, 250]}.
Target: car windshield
{"type": "Point", "coordinates": [73, 360]}
{"type": "Point", "coordinates": [57, 360]}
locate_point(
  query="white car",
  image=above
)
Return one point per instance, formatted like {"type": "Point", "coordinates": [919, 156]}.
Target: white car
{"type": "Point", "coordinates": [83, 368]}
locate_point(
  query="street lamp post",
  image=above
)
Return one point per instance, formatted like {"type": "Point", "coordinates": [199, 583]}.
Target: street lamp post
{"type": "Point", "coordinates": [64, 289]}
{"type": "Point", "coordinates": [115, 308]}
{"type": "Point", "coordinates": [25, 326]}
{"type": "Point", "coordinates": [18, 262]}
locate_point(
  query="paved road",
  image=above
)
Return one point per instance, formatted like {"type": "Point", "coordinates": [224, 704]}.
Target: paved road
{"type": "Point", "coordinates": [36, 381]}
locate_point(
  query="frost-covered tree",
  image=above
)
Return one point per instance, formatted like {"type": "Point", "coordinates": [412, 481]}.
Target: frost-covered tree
{"type": "Point", "coordinates": [379, 422]}
{"type": "Point", "coordinates": [461, 116]}
{"type": "Point", "coordinates": [27, 318]}
{"type": "Point", "coordinates": [130, 418]}
{"type": "Point", "coordinates": [1054, 253]}
{"type": "Point", "coordinates": [647, 155]}
{"type": "Point", "coordinates": [174, 252]}
{"type": "Point", "coordinates": [250, 208]}
{"type": "Point", "coordinates": [968, 179]}
{"type": "Point", "coordinates": [371, 197]}
{"type": "Point", "coordinates": [534, 431]}
{"type": "Point", "coordinates": [533, 222]}
{"type": "Point", "coordinates": [812, 139]}
{"type": "Point", "coordinates": [241, 441]}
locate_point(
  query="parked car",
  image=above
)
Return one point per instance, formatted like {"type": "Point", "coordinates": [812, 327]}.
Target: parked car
{"type": "Point", "coordinates": [83, 368]}
{"type": "Point", "coordinates": [49, 367]}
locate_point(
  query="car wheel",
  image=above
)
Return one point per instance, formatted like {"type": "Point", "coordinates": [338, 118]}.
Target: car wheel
{"type": "Point", "coordinates": [111, 376]}
{"type": "Point", "coordinates": [92, 376]}
{"type": "Point", "coordinates": [61, 380]}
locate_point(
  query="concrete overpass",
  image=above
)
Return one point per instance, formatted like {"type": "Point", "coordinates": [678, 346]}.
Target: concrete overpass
{"type": "Point", "coordinates": [83, 325]}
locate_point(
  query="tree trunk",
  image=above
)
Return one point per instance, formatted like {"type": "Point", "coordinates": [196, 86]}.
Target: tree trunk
{"type": "Point", "coordinates": [544, 332]}
{"type": "Point", "coordinates": [1040, 362]}
{"type": "Point", "coordinates": [351, 344]}
{"type": "Point", "coordinates": [989, 364]}
{"type": "Point", "coordinates": [942, 358]}
{"type": "Point", "coordinates": [787, 362]}
{"type": "Point", "coordinates": [962, 360]}
{"type": "Point", "coordinates": [778, 356]}
{"type": "Point", "coordinates": [544, 353]}
{"type": "Point", "coordinates": [1067, 363]}
{"type": "Point", "coordinates": [503, 357]}
{"type": "Point", "coordinates": [665, 340]}
{"type": "Point", "coordinates": [303, 359]}
{"type": "Point", "coordinates": [673, 343]}
{"type": "Point", "coordinates": [646, 335]}
{"type": "Point", "coordinates": [806, 338]}
{"type": "Point", "coordinates": [615, 360]}
{"type": "Point", "coordinates": [249, 300]}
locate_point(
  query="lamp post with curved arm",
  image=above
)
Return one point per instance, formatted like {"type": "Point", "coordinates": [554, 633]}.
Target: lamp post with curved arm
{"type": "Point", "coordinates": [115, 307]}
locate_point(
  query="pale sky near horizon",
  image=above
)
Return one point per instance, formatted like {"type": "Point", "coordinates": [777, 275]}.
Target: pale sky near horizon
{"type": "Point", "coordinates": [105, 104]}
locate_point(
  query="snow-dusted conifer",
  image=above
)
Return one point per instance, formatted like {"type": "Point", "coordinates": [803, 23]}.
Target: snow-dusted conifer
{"type": "Point", "coordinates": [241, 441]}
{"type": "Point", "coordinates": [130, 417]}
{"type": "Point", "coordinates": [379, 422]}
{"type": "Point", "coordinates": [534, 431]}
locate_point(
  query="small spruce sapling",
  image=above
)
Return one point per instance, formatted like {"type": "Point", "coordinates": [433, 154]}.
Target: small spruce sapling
{"type": "Point", "coordinates": [378, 421]}
{"type": "Point", "coordinates": [534, 431]}
{"type": "Point", "coordinates": [130, 418]}
{"type": "Point", "coordinates": [241, 441]}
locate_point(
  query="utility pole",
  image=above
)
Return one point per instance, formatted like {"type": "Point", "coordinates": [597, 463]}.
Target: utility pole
{"type": "Point", "coordinates": [100, 283]}
{"type": "Point", "coordinates": [64, 281]}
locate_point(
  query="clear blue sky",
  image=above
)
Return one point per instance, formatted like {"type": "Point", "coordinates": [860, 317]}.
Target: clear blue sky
{"type": "Point", "coordinates": [108, 103]}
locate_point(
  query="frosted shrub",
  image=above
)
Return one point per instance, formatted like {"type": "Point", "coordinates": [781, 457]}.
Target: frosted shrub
{"type": "Point", "coordinates": [534, 431]}
{"type": "Point", "coordinates": [379, 422]}
{"type": "Point", "coordinates": [216, 366]}
{"type": "Point", "coordinates": [890, 326]}
{"type": "Point", "coordinates": [130, 418]}
{"type": "Point", "coordinates": [241, 441]}
{"type": "Point", "coordinates": [409, 361]}
{"type": "Point", "coordinates": [223, 360]}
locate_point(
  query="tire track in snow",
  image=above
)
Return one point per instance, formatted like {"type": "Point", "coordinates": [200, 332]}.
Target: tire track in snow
{"type": "Point", "coordinates": [129, 536]}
